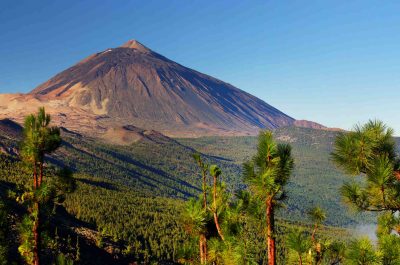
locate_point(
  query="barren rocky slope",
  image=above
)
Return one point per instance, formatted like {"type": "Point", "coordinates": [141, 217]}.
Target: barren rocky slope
{"type": "Point", "coordinates": [132, 85]}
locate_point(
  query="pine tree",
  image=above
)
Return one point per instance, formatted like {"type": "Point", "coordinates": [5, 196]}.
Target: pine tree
{"type": "Point", "coordinates": [388, 241]}
{"type": "Point", "coordinates": [297, 240]}
{"type": "Point", "coordinates": [194, 218]}
{"type": "Point", "coordinates": [361, 252]}
{"type": "Point", "coordinates": [267, 175]}
{"type": "Point", "coordinates": [333, 252]}
{"type": "Point", "coordinates": [370, 150]}
{"type": "Point", "coordinates": [317, 216]}
{"type": "Point", "coordinates": [215, 172]}
{"type": "Point", "coordinates": [202, 237]}
{"type": "Point", "coordinates": [39, 139]}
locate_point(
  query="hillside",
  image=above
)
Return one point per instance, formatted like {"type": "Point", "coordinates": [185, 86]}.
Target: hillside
{"type": "Point", "coordinates": [157, 165]}
{"type": "Point", "coordinates": [133, 85]}
{"type": "Point", "coordinates": [122, 190]}
{"type": "Point", "coordinates": [92, 217]}
{"type": "Point", "coordinates": [316, 181]}
{"type": "Point", "coordinates": [117, 225]}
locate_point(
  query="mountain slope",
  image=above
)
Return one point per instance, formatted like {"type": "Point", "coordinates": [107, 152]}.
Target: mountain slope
{"type": "Point", "coordinates": [155, 165]}
{"type": "Point", "coordinates": [132, 84]}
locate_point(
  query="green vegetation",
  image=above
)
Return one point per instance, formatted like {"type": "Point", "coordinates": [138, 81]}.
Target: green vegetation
{"type": "Point", "coordinates": [151, 203]}
{"type": "Point", "coordinates": [39, 140]}
{"type": "Point", "coordinates": [315, 180]}
{"type": "Point", "coordinates": [144, 228]}
{"type": "Point", "coordinates": [131, 226]}
{"type": "Point", "coordinates": [370, 150]}
{"type": "Point", "coordinates": [361, 252]}
{"type": "Point", "coordinates": [267, 175]}
{"type": "Point", "coordinates": [222, 228]}
{"type": "Point", "coordinates": [232, 230]}
{"type": "Point", "coordinates": [164, 167]}
{"type": "Point", "coordinates": [298, 241]}
{"type": "Point", "coordinates": [151, 168]}
{"type": "Point", "coordinates": [3, 231]}
{"type": "Point", "coordinates": [317, 216]}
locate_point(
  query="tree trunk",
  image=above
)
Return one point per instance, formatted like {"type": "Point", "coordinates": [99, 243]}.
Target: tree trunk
{"type": "Point", "coordinates": [218, 227]}
{"type": "Point", "coordinates": [35, 178]}
{"type": "Point", "coordinates": [203, 249]}
{"type": "Point", "coordinates": [35, 228]}
{"type": "Point", "coordinates": [203, 239]}
{"type": "Point", "coordinates": [319, 254]}
{"type": "Point", "coordinates": [313, 233]}
{"type": "Point", "coordinates": [40, 173]}
{"type": "Point", "coordinates": [215, 210]}
{"type": "Point", "coordinates": [204, 190]}
{"type": "Point", "coordinates": [300, 260]}
{"type": "Point", "coordinates": [397, 174]}
{"type": "Point", "coordinates": [36, 236]}
{"type": "Point", "coordinates": [270, 231]}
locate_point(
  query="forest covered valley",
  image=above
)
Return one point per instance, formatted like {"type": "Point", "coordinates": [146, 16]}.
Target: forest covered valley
{"type": "Point", "coordinates": [127, 204]}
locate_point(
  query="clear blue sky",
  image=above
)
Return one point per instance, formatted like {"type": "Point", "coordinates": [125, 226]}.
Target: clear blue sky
{"type": "Point", "coordinates": [334, 62]}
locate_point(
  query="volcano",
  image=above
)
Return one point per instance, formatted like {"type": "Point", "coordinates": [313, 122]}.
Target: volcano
{"type": "Point", "coordinates": [134, 85]}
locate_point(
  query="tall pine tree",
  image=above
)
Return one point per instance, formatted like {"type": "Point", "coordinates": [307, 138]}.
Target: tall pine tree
{"type": "Point", "coordinates": [267, 175]}
{"type": "Point", "coordinates": [39, 139]}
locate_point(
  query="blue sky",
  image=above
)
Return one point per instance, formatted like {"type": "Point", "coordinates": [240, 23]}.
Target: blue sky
{"type": "Point", "coordinates": [333, 62]}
